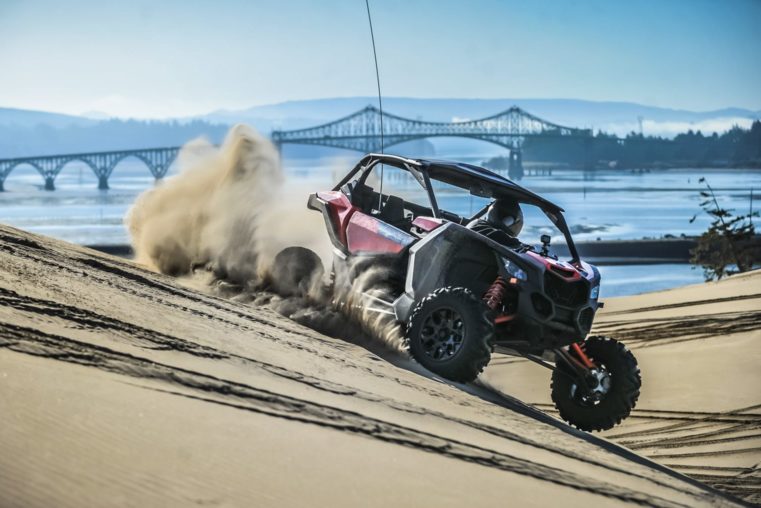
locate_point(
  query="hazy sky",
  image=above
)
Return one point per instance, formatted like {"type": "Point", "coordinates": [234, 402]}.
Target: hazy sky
{"type": "Point", "coordinates": [151, 58]}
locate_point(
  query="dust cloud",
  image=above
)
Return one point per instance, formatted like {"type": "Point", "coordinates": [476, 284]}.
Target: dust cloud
{"type": "Point", "coordinates": [230, 223]}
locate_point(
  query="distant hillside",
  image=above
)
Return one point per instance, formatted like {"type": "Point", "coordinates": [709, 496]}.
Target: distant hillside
{"type": "Point", "coordinates": [25, 118]}
{"type": "Point", "coordinates": [25, 132]}
{"type": "Point", "coordinates": [95, 136]}
{"type": "Point", "coordinates": [615, 117]}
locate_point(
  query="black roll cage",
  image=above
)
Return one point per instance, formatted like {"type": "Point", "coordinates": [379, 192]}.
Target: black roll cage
{"type": "Point", "coordinates": [486, 187]}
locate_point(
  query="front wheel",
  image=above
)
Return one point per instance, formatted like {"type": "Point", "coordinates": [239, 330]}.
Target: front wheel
{"type": "Point", "coordinates": [450, 332]}
{"type": "Point", "coordinates": [609, 392]}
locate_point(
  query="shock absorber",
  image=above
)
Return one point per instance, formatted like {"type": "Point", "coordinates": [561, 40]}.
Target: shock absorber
{"type": "Point", "coordinates": [581, 354]}
{"type": "Point", "coordinates": [496, 293]}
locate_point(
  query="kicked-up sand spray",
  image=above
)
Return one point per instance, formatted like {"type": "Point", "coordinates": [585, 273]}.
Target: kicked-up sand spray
{"type": "Point", "coordinates": [229, 224]}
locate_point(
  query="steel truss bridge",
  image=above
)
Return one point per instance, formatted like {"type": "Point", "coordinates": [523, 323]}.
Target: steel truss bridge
{"type": "Point", "coordinates": [102, 164]}
{"type": "Point", "coordinates": [359, 131]}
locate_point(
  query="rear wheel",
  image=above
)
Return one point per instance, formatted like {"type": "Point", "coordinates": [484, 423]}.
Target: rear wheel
{"type": "Point", "coordinates": [295, 271]}
{"type": "Point", "coordinates": [607, 395]}
{"type": "Point", "coordinates": [451, 334]}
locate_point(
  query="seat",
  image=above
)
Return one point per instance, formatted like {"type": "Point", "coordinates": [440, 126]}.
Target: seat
{"type": "Point", "coordinates": [393, 213]}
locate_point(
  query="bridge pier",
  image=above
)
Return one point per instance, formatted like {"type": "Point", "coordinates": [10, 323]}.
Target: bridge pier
{"type": "Point", "coordinates": [102, 182]}
{"type": "Point", "coordinates": [2, 188]}
{"type": "Point", "coordinates": [515, 168]}
{"type": "Point", "coordinates": [589, 163]}
{"type": "Point", "coordinates": [49, 183]}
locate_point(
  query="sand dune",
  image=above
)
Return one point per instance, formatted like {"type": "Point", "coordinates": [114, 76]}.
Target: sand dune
{"type": "Point", "coordinates": [119, 387]}
{"type": "Point", "coordinates": [699, 348]}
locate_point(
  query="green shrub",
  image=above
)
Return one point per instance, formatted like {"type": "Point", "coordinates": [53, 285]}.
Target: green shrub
{"type": "Point", "coordinates": [728, 246]}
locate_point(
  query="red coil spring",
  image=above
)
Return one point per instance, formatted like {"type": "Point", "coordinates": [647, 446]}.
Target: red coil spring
{"type": "Point", "coordinates": [496, 293]}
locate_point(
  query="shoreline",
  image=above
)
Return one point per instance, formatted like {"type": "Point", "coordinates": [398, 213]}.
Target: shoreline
{"type": "Point", "coordinates": [602, 252]}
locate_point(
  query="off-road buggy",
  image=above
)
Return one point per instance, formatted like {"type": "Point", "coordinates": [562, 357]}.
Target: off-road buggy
{"type": "Point", "coordinates": [463, 288]}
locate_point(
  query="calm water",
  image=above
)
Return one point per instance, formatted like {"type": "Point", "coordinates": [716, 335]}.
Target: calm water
{"type": "Point", "coordinates": [606, 204]}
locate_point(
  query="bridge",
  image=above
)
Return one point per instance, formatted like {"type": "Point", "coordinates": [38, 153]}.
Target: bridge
{"type": "Point", "coordinates": [102, 164]}
{"type": "Point", "coordinates": [359, 131]}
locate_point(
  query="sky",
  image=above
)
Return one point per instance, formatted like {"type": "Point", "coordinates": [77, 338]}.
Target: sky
{"type": "Point", "coordinates": [170, 58]}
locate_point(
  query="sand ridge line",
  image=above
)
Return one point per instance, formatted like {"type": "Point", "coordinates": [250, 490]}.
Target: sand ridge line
{"type": "Point", "coordinates": [177, 291]}
{"type": "Point", "coordinates": [34, 342]}
{"type": "Point", "coordinates": [737, 485]}
{"type": "Point", "coordinates": [688, 423]}
{"type": "Point", "coordinates": [142, 278]}
{"type": "Point", "coordinates": [19, 240]}
{"type": "Point", "coordinates": [690, 303]}
{"type": "Point", "coordinates": [240, 311]}
{"type": "Point", "coordinates": [732, 469]}
{"type": "Point", "coordinates": [739, 412]}
{"type": "Point", "coordinates": [164, 342]}
{"type": "Point", "coordinates": [707, 454]}
{"type": "Point", "coordinates": [696, 439]}
{"type": "Point", "coordinates": [97, 321]}
{"type": "Point", "coordinates": [158, 340]}
{"type": "Point", "coordinates": [664, 331]}
{"type": "Point", "coordinates": [683, 416]}
{"type": "Point", "coordinates": [738, 481]}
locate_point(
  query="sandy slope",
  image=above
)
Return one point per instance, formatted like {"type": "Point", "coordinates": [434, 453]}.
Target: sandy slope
{"type": "Point", "coordinates": [120, 387]}
{"type": "Point", "coordinates": [699, 348]}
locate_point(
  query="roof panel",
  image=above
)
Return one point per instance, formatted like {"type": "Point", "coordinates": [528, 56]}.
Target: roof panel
{"type": "Point", "coordinates": [469, 176]}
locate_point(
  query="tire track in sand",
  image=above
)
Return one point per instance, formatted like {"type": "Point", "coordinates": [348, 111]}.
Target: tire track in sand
{"type": "Point", "coordinates": [157, 341]}
{"type": "Point", "coordinates": [672, 438]}
{"type": "Point", "coordinates": [215, 390]}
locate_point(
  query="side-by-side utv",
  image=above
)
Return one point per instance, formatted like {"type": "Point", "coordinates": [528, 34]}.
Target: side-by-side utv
{"type": "Point", "coordinates": [465, 287]}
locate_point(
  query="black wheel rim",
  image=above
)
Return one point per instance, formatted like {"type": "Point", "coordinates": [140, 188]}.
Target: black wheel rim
{"type": "Point", "coordinates": [442, 334]}
{"type": "Point", "coordinates": [598, 392]}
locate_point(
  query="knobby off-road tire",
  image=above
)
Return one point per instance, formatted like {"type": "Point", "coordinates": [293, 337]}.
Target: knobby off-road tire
{"type": "Point", "coordinates": [616, 404]}
{"type": "Point", "coordinates": [469, 321]}
{"type": "Point", "coordinates": [295, 271]}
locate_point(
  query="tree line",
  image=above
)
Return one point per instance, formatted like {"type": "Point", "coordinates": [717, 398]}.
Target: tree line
{"type": "Point", "coordinates": [737, 147]}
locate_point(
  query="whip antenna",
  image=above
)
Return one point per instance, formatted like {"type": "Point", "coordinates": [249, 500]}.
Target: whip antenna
{"type": "Point", "coordinates": [380, 97]}
{"type": "Point", "coordinates": [377, 73]}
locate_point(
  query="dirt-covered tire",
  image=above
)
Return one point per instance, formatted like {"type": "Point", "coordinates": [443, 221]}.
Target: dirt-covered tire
{"type": "Point", "coordinates": [295, 271]}
{"type": "Point", "coordinates": [616, 404]}
{"type": "Point", "coordinates": [450, 332]}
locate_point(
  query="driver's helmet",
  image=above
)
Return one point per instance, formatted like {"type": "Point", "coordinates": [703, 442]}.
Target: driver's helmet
{"type": "Point", "coordinates": [506, 214]}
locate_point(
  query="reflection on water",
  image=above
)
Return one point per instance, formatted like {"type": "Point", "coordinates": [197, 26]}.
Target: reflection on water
{"type": "Point", "coordinates": [604, 204]}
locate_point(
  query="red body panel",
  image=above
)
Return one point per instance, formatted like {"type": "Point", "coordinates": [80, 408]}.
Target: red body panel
{"type": "Point", "coordinates": [341, 211]}
{"type": "Point", "coordinates": [565, 270]}
{"type": "Point", "coordinates": [427, 224]}
{"type": "Point", "coordinates": [366, 234]}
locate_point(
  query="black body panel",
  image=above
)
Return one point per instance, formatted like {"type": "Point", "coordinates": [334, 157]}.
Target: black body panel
{"type": "Point", "coordinates": [549, 309]}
